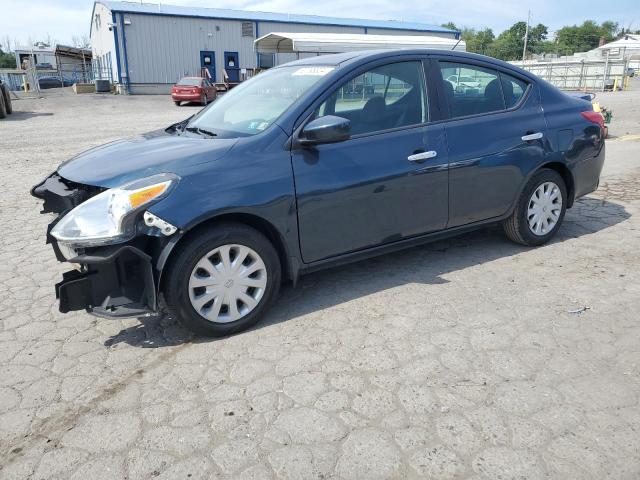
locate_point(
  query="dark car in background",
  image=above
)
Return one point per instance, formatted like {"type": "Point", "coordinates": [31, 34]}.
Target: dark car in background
{"type": "Point", "coordinates": [193, 89]}
{"type": "Point", "coordinates": [288, 173]}
{"type": "Point", "coordinates": [55, 82]}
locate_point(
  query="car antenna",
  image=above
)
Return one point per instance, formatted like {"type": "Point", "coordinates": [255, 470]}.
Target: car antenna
{"type": "Point", "coordinates": [459, 40]}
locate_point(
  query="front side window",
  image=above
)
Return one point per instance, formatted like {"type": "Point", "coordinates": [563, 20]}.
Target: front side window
{"type": "Point", "coordinates": [255, 104]}
{"type": "Point", "coordinates": [471, 90]}
{"type": "Point", "coordinates": [385, 97]}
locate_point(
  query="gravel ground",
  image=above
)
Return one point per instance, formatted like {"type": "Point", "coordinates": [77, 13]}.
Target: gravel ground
{"type": "Point", "coordinates": [468, 358]}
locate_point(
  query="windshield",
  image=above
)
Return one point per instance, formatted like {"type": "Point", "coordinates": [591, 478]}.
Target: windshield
{"type": "Point", "coordinates": [253, 105]}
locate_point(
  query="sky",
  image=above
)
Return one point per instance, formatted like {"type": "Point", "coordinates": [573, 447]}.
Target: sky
{"type": "Point", "coordinates": [60, 20]}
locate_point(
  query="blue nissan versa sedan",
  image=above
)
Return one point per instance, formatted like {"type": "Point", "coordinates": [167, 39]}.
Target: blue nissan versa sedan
{"type": "Point", "coordinates": [312, 164]}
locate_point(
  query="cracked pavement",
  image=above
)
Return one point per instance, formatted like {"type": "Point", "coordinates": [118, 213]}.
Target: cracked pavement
{"type": "Point", "coordinates": [466, 358]}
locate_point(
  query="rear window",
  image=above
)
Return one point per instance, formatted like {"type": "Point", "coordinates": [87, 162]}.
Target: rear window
{"type": "Point", "coordinates": [191, 82]}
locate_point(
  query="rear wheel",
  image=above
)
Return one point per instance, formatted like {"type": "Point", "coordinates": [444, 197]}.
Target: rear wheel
{"type": "Point", "coordinates": [177, 103]}
{"type": "Point", "coordinates": [7, 99]}
{"type": "Point", "coordinates": [222, 280]}
{"type": "Point", "coordinates": [539, 211]}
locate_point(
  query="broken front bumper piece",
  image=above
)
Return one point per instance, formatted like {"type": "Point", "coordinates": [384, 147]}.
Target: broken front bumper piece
{"type": "Point", "coordinates": [117, 282]}
{"type": "Point", "coordinates": [112, 281]}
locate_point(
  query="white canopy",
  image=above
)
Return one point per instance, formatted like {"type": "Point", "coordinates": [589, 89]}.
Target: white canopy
{"type": "Point", "coordinates": [628, 42]}
{"type": "Point", "coordinates": [278, 42]}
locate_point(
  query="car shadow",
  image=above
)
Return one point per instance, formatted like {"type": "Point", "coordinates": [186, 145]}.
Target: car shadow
{"type": "Point", "coordinates": [191, 104]}
{"type": "Point", "coordinates": [18, 115]}
{"type": "Point", "coordinates": [425, 264]}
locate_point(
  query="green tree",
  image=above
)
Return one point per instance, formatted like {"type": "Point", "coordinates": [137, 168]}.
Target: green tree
{"type": "Point", "coordinates": [483, 41]}
{"type": "Point", "coordinates": [7, 60]}
{"type": "Point", "coordinates": [581, 38]}
{"type": "Point", "coordinates": [510, 43]}
{"type": "Point", "coordinates": [450, 26]}
{"type": "Point", "coordinates": [478, 41]}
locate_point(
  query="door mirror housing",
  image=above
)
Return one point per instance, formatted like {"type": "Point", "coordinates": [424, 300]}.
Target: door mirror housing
{"type": "Point", "coordinates": [327, 129]}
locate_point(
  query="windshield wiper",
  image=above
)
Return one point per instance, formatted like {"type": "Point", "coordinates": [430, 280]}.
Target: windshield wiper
{"type": "Point", "coordinates": [200, 131]}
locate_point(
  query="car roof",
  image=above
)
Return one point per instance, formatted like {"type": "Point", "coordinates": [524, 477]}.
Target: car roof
{"type": "Point", "coordinates": [363, 56]}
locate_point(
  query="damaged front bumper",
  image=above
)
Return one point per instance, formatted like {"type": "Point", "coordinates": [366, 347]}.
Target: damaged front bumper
{"type": "Point", "coordinates": [114, 282]}
{"type": "Point", "coordinates": [110, 281]}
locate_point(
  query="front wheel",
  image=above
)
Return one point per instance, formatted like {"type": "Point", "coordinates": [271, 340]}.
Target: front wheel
{"type": "Point", "coordinates": [539, 211]}
{"type": "Point", "coordinates": [222, 280]}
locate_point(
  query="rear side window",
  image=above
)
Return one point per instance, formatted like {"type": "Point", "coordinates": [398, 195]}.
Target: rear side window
{"type": "Point", "coordinates": [471, 90]}
{"type": "Point", "coordinates": [513, 89]}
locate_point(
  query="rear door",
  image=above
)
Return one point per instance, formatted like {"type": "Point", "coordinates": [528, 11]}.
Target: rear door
{"type": "Point", "coordinates": [372, 189]}
{"type": "Point", "coordinates": [495, 133]}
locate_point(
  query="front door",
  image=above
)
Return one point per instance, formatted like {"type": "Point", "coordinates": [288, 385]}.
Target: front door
{"type": "Point", "coordinates": [231, 66]}
{"type": "Point", "coordinates": [490, 112]}
{"type": "Point", "coordinates": [208, 61]}
{"type": "Point", "coordinates": [388, 182]}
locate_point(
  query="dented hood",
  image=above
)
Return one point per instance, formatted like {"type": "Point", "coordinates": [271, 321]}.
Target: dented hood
{"type": "Point", "coordinates": [116, 163]}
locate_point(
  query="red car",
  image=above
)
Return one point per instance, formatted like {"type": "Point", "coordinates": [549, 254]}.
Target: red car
{"type": "Point", "coordinates": [193, 89]}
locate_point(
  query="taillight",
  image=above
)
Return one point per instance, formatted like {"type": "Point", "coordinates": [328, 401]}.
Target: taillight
{"type": "Point", "coordinates": [197, 90]}
{"type": "Point", "coordinates": [593, 117]}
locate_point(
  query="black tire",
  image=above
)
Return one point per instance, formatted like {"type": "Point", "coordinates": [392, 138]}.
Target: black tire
{"type": "Point", "coordinates": [516, 227]}
{"type": "Point", "coordinates": [3, 109]}
{"type": "Point", "coordinates": [7, 99]}
{"type": "Point", "coordinates": [181, 264]}
{"type": "Point", "coordinates": [177, 103]}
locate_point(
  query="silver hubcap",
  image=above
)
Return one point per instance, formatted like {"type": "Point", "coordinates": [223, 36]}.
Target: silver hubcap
{"type": "Point", "coordinates": [544, 209]}
{"type": "Point", "coordinates": [227, 283]}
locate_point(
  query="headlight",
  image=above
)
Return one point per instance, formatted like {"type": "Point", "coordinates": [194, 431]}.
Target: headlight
{"type": "Point", "coordinates": [109, 217]}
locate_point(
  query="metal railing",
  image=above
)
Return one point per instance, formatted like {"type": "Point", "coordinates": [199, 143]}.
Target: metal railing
{"type": "Point", "coordinates": [579, 74]}
{"type": "Point", "coordinates": [32, 78]}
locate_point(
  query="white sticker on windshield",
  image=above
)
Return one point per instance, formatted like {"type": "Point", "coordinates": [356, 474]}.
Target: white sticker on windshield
{"type": "Point", "coordinates": [313, 71]}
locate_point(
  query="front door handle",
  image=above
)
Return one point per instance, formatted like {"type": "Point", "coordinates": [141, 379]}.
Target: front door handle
{"type": "Point", "coordinates": [418, 157]}
{"type": "Point", "coordinates": [532, 136]}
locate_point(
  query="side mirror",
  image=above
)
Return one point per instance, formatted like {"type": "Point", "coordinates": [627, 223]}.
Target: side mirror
{"type": "Point", "coordinates": [328, 129]}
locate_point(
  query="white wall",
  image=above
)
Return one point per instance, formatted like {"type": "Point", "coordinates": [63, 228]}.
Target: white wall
{"type": "Point", "coordinates": [102, 39]}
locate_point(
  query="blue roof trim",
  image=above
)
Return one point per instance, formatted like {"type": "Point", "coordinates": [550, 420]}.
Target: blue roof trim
{"type": "Point", "coordinates": [227, 14]}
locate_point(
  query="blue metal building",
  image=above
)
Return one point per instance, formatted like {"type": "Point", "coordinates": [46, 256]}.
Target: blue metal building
{"type": "Point", "coordinates": [145, 48]}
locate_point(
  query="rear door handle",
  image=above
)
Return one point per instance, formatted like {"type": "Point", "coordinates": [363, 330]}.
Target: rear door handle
{"type": "Point", "coordinates": [532, 136]}
{"type": "Point", "coordinates": [417, 157]}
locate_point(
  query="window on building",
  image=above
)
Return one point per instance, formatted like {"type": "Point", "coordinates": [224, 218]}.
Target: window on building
{"type": "Point", "coordinates": [247, 29]}
{"type": "Point", "coordinates": [389, 96]}
{"type": "Point", "coordinates": [266, 60]}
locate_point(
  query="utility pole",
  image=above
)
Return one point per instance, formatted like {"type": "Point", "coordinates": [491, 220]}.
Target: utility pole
{"type": "Point", "coordinates": [526, 36]}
